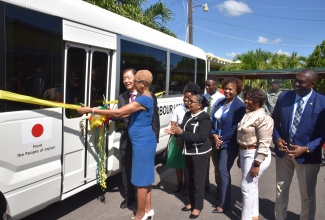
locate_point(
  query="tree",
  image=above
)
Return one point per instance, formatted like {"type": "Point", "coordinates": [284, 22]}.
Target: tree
{"type": "Point", "coordinates": [155, 16]}
{"type": "Point", "coordinates": [317, 58]}
{"type": "Point", "coordinates": [262, 60]}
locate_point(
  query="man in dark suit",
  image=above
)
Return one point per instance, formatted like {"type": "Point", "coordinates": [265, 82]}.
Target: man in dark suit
{"type": "Point", "coordinates": [125, 144]}
{"type": "Point", "coordinates": [299, 132]}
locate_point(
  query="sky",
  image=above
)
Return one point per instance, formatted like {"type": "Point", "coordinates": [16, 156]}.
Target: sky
{"type": "Point", "coordinates": [233, 27]}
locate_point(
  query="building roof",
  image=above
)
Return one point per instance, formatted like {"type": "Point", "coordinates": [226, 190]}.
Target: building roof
{"type": "Point", "coordinates": [216, 61]}
{"type": "Point", "coordinates": [265, 74]}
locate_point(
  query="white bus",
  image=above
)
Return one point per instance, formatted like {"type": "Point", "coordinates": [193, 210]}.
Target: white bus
{"type": "Point", "coordinates": [74, 52]}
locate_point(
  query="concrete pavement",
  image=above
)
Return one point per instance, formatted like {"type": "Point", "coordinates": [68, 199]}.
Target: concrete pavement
{"type": "Point", "coordinates": [167, 205]}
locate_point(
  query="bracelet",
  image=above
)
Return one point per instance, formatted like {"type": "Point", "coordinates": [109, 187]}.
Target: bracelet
{"type": "Point", "coordinates": [256, 164]}
{"type": "Point", "coordinates": [93, 111]}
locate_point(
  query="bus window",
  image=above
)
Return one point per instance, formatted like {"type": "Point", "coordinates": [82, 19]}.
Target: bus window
{"type": "Point", "coordinates": [140, 57]}
{"type": "Point", "coordinates": [98, 78]}
{"type": "Point", "coordinates": [75, 85]}
{"type": "Point", "coordinates": [200, 77]}
{"type": "Point", "coordinates": [182, 71]}
{"type": "Point", "coordinates": [33, 56]}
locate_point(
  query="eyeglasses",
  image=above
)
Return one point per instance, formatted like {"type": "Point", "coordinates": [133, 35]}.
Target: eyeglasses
{"type": "Point", "coordinates": [139, 81]}
{"type": "Point", "coordinates": [191, 102]}
{"type": "Point", "coordinates": [300, 82]}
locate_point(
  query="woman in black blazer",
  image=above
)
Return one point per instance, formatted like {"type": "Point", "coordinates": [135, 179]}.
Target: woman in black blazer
{"type": "Point", "coordinates": [225, 117]}
{"type": "Point", "coordinates": [195, 131]}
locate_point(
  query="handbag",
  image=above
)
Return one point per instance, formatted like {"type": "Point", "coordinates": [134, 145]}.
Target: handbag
{"type": "Point", "coordinates": [164, 154]}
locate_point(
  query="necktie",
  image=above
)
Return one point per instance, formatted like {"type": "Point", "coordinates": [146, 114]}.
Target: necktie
{"type": "Point", "coordinates": [210, 104]}
{"type": "Point", "coordinates": [296, 119]}
{"type": "Point", "coordinates": [132, 97]}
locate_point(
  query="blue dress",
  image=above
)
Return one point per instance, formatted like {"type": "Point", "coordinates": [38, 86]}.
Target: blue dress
{"type": "Point", "coordinates": [144, 143]}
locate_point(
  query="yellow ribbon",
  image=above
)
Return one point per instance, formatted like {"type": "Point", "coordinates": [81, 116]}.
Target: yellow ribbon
{"type": "Point", "coordinates": [31, 100]}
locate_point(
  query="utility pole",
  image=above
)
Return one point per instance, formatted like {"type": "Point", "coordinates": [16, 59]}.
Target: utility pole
{"type": "Point", "coordinates": [190, 22]}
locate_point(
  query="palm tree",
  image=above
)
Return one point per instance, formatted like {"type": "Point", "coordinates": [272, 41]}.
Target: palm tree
{"type": "Point", "coordinates": [155, 16]}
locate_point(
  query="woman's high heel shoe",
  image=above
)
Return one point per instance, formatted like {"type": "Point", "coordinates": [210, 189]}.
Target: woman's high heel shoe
{"type": "Point", "coordinates": [150, 214]}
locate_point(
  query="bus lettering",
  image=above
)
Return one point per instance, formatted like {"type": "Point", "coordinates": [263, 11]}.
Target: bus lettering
{"type": "Point", "coordinates": [37, 146]}
{"type": "Point", "coordinates": [167, 109]}
{"type": "Point", "coordinates": [31, 152]}
{"type": "Point", "coordinates": [49, 148]}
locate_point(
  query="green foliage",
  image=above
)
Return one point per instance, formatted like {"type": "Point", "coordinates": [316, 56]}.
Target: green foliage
{"type": "Point", "coordinates": [155, 16]}
{"type": "Point", "coordinates": [265, 60]}
{"type": "Point", "coordinates": [317, 58]}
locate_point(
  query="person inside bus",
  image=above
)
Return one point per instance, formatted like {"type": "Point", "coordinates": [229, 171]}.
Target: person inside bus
{"type": "Point", "coordinates": [125, 144]}
{"type": "Point", "coordinates": [142, 138]}
{"type": "Point", "coordinates": [98, 84]}
{"type": "Point", "coordinates": [195, 131]}
{"type": "Point", "coordinates": [174, 88]}
{"type": "Point", "coordinates": [225, 116]}
{"type": "Point", "coordinates": [38, 82]}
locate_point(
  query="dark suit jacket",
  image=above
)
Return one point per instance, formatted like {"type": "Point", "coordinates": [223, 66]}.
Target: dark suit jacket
{"type": "Point", "coordinates": [196, 133]}
{"type": "Point", "coordinates": [229, 124]}
{"type": "Point", "coordinates": [123, 99]}
{"type": "Point", "coordinates": [311, 129]}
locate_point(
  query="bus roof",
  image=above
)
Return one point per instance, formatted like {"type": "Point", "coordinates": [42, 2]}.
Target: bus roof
{"type": "Point", "coordinates": [86, 13]}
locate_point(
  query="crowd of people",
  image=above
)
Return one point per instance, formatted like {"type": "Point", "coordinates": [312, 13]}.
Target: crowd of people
{"type": "Point", "coordinates": [225, 128]}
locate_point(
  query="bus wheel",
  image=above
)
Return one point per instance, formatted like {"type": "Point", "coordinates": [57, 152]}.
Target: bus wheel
{"type": "Point", "coordinates": [4, 208]}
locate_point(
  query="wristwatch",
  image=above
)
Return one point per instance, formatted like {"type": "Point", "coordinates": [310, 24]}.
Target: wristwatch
{"type": "Point", "coordinates": [256, 164]}
{"type": "Point", "coordinates": [307, 150]}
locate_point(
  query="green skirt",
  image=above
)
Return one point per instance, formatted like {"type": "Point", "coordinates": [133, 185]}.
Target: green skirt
{"type": "Point", "coordinates": [175, 158]}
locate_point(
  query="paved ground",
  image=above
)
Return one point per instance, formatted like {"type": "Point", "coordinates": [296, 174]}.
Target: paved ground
{"type": "Point", "coordinates": [88, 205]}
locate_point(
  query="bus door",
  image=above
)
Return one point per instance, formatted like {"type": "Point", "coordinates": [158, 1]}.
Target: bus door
{"type": "Point", "coordinates": [87, 73]}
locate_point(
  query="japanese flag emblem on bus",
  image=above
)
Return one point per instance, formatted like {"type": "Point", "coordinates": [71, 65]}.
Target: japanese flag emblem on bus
{"type": "Point", "coordinates": [36, 130]}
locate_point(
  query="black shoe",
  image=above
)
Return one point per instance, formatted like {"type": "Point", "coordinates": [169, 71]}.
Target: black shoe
{"type": "Point", "coordinates": [220, 210]}
{"type": "Point", "coordinates": [192, 216]}
{"type": "Point", "coordinates": [127, 202]}
{"type": "Point", "coordinates": [185, 209]}
{"type": "Point", "coordinates": [207, 188]}
{"type": "Point", "coordinates": [178, 188]}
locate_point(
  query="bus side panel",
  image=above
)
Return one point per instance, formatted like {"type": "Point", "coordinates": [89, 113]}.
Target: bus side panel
{"type": "Point", "coordinates": [30, 159]}
{"type": "Point", "coordinates": [34, 197]}
{"type": "Point", "coordinates": [165, 108]}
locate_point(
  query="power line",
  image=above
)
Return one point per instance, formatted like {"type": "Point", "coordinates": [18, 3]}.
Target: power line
{"type": "Point", "coordinates": [255, 30]}
{"type": "Point", "coordinates": [254, 41]}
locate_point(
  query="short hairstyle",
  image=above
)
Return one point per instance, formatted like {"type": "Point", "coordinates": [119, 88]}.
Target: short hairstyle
{"type": "Point", "coordinates": [310, 73]}
{"type": "Point", "coordinates": [202, 100]}
{"type": "Point", "coordinates": [192, 88]}
{"type": "Point", "coordinates": [145, 75]}
{"type": "Point", "coordinates": [256, 95]}
{"type": "Point", "coordinates": [233, 80]}
{"type": "Point", "coordinates": [275, 82]}
{"type": "Point", "coordinates": [214, 79]}
{"type": "Point", "coordinates": [134, 71]}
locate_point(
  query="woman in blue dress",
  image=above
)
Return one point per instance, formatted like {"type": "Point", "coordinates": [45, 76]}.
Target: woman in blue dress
{"type": "Point", "coordinates": [143, 140]}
